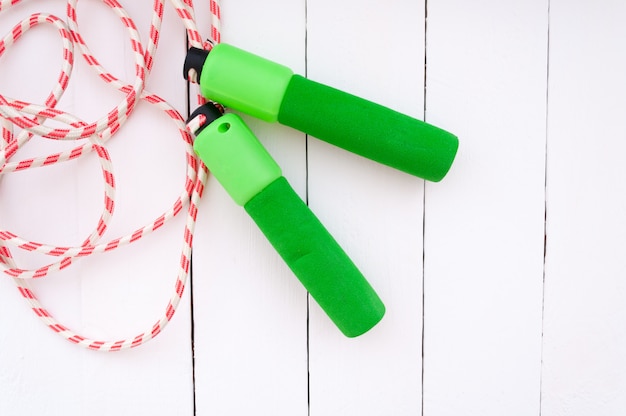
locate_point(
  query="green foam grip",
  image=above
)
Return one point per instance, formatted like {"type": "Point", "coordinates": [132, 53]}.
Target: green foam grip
{"type": "Point", "coordinates": [316, 258]}
{"type": "Point", "coordinates": [236, 158]}
{"type": "Point", "coordinates": [368, 129]}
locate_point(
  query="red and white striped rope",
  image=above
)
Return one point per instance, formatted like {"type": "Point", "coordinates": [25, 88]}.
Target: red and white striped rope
{"type": "Point", "coordinates": [29, 117]}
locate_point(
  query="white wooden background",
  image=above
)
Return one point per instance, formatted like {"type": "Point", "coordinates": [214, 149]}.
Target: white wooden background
{"type": "Point", "coordinates": [505, 283]}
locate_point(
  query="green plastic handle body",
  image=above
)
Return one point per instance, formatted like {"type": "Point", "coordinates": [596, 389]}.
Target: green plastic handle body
{"type": "Point", "coordinates": [271, 92]}
{"type": "Point", "coordinates": [253, 179]}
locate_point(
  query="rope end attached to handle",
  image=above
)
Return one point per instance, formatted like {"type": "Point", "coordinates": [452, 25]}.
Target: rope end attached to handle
{"type": "Point", "coordinates": [194, 62]}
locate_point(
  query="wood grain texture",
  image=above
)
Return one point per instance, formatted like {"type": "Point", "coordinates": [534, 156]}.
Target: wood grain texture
{"type": "Point", "coordinates": [584, 334]}
{"type": "Point", "coordinates": [486, 81]}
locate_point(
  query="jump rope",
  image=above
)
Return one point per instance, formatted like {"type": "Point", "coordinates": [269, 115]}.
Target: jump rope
{"type": "Point", "coordinates": [221, 143]}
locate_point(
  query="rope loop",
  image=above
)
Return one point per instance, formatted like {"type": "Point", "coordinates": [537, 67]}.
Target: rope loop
{"type": "Point", "coordinates": [29, 118]}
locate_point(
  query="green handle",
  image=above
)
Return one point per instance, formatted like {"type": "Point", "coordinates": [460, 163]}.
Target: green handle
{"type": "Point", "coordinates": [253, 179]}
{"type": "Point", "coordinates": [271, 92]}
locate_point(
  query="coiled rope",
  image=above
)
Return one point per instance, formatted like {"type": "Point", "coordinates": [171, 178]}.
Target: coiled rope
{"type": "Point", "coordinates": [30, 118]}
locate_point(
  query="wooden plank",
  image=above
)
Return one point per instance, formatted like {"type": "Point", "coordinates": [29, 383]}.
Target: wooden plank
{"type": "Point", "coordinates": [486, 81]}
{"type": "Point", "coordinates": [584, 336]}
{"type": "Point", "coordinates": [373, 211]}
{"type": "Point", "coordinates": [110, 296]}
{"type": "Point", "coordinates": [250, 312]}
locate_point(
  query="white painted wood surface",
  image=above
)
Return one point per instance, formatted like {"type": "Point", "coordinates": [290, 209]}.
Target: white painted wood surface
{"type": "Point", "coordinates": [503, 283]}
{"type": "Point", "coordinates": [584, 335]}
{"type": "Point", "coordinates": [486, 81]}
